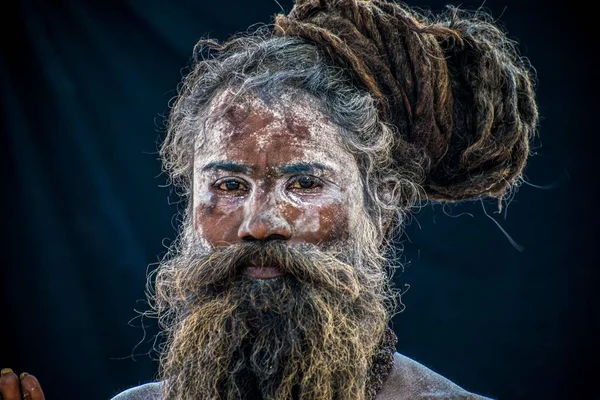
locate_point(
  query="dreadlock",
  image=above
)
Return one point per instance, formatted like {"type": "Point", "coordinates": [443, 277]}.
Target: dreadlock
{"type": "Point", "coordinates": [435, 107]}
{"type": "Point", "coordinates": [454, 86]}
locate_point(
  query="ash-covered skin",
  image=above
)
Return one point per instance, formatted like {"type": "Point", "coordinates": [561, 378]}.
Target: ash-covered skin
{"type": "Point", "coordinates": [263, 170]}
{"type": "Point", "coordinates": [266, 201]}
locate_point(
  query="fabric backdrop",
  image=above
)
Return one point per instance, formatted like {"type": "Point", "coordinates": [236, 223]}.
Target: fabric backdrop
{"type": "Point", "coordinates": [84, 88]}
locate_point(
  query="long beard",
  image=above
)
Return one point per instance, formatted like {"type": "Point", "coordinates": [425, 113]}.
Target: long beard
{"type": "Point", "coordinates": [310, 334]}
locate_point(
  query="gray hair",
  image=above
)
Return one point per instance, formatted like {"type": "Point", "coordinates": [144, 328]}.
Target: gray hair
{"type": "Point", "coordinates": [265, 64]}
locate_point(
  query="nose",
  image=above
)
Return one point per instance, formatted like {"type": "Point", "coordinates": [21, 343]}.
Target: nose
{"type": "Point", "coordinates": [264, 220]}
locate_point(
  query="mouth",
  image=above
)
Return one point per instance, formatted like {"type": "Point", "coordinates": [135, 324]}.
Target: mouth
{"type": "Point", "coordinates": [263, 272]}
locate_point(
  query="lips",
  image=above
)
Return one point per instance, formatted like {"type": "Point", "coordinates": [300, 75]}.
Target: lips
{"type": "Point", "coordinates": [263, 272]}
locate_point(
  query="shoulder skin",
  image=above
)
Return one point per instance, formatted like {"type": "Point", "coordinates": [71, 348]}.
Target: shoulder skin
{"type": "Point", "coordinates": [408, 380]}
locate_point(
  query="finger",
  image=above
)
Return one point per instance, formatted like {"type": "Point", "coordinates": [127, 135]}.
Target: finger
{"type": "Point", "coordinates": [9, 385]}
{"type": "Point", "coordinates": [32, 390]}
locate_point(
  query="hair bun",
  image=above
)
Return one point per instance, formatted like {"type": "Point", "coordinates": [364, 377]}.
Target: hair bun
{"type": "Point", "coordinates": [453, 86]}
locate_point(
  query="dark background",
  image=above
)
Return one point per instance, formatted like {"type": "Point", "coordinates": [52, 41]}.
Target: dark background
{"type": "Point", "coordinates": [84, 86]}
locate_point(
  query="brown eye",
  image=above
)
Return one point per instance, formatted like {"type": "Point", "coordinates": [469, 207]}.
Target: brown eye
{"type": "Point", "coordinates": [304, 182]}
{"type": "Point", "coordinates": [232, 185]}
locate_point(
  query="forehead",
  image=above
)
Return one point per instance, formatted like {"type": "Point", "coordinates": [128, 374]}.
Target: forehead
{"type": "Point", "coordinates": [288, 127]}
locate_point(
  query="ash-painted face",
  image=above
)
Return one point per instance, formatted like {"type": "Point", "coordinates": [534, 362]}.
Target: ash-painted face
{"type": "Point", "coordinates": [273, 171]}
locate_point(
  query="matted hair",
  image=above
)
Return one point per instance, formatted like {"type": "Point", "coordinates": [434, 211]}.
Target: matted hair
{"type": "Point", "coordinates": [432, 107]}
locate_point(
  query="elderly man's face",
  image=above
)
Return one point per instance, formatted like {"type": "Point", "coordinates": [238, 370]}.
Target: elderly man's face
{"type": "Point", "coordinates": [273, 171]}
{"type": "Point", "coordinates": [275, 195]}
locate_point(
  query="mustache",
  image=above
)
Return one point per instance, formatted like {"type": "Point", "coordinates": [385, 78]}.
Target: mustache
{"type": "Point", "coordinates": [306, 263]}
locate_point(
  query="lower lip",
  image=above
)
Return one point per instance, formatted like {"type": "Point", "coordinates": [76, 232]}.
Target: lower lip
{"type": "Point", "coordinates": [263, 272]}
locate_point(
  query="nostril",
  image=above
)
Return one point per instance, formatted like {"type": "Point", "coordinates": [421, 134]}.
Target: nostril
{"type": "Point", "coordinates": [276, 236]}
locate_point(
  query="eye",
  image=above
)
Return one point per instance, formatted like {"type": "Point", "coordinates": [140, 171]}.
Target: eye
{"type": "Point", "coordinates": [231, 185]}
{"type": "Point", "coordinates": [305, 182]}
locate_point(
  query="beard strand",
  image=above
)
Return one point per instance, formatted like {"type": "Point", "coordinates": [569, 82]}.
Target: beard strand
{"type": "Point", "coordinates": [310, 334]}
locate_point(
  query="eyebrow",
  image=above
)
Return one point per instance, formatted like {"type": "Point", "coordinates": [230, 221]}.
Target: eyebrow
{"type": "Point", "coordinates": [286, 169]}
{"type": "Point", "coordinates": [228, 166]}
{"type": "Point", "coordinates": [302, 168]}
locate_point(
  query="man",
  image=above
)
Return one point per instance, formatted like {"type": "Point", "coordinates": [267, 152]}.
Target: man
{"type": "Point", "coordinates": [299, 150]}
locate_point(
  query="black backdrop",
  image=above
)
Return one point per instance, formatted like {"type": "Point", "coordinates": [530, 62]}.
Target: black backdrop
{"type": "Point", "coordinates": [83, 89]}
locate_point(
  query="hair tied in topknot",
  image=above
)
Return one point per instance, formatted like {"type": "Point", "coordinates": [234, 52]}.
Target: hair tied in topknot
{"type": "Point", "coordinates": [453, 85]}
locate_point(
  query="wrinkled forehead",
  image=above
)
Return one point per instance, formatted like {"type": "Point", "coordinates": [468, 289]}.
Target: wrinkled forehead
{"type": "Point", "coordinates": [291, 115]}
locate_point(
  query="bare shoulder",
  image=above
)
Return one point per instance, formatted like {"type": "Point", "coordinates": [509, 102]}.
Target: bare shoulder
{"type": "Point", "coordinates": [412, 380]}
{"type": "Point", "coordinates": [148, 391]}
{"type": "Point", "coordinates": [407, 380]}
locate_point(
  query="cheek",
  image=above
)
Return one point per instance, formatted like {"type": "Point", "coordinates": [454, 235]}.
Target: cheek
{"type": "Point", "coordinates": [325, 223]}
{"type": "Point", "coordinates": [218, 221]}
{"type": "Point", "coordinates": [333, 221]}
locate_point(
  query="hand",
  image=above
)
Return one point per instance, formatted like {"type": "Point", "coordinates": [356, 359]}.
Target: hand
{"type": "Point", "coordinates": [26, 387]}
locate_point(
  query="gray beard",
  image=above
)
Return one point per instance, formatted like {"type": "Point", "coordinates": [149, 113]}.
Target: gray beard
{"type": "Point", "coordinates": [311, 334]}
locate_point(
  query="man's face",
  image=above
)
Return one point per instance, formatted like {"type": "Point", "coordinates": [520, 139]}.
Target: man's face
{"type": "Point", "coordinates": [277, 290]}
{"type": "Point", "coordinates": [273, 171]}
